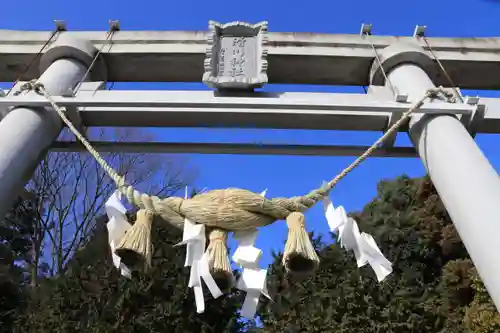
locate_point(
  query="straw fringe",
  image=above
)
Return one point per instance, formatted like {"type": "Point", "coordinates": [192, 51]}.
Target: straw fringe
{"type": "Point", "coordinates": [135, 248]}
{"type": "Point", "coordinates": [218, 259]}
{"type": "Point", "coordinates": [300, 257]}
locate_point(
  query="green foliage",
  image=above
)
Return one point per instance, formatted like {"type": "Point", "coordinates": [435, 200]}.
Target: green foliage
{"type": "Point", "coordinates": [434, 286]}
{"type": "Point", "coordinates": [431, 289]}
{"type": "Point", "coordinates": [481, 315]}
{"type": "Point", "coordinates": [15, 244]}
{"type": "Point", "coordinates": [92, 297]}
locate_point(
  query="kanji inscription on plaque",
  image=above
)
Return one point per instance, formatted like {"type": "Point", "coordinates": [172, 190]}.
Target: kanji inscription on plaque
{"type": "Point", "coordinates": [236, 55]}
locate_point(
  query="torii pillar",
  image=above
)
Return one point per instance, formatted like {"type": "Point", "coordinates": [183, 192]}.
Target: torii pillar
{"type": "Point", "coordinates": [465, 180]}
{"type": "Point", "coordinates": [26, 133]}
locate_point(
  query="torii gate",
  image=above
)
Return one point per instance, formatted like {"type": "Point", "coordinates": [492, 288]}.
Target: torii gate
{"type": "Point", "coordinates": [398, 71]}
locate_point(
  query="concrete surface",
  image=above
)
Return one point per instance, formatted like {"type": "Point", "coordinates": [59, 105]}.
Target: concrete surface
{"type": "Point", "coordinates": [299, 58]}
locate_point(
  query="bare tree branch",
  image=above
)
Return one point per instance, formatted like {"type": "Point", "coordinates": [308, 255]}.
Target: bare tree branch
{"type": "Point", "coordinates": [72, 189]}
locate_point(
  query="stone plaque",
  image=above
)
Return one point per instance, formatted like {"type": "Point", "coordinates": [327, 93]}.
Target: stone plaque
{"type": "Point", "coordinates": [236, 57]}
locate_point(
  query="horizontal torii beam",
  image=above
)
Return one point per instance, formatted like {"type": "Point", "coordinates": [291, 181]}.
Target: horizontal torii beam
{"type": "Point", "coordinates": [252, 110]}
{"type": "Point", "coordinates": [231, 148]}
{"type": "Point", "coordinates": [295, 58]}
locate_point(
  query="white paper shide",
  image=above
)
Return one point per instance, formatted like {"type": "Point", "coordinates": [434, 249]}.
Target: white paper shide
{"type": "Point", "coordinates": [362, 244]}
{"type": "Point", "coordinates": [253, 279]}
{"type": "Point", "coordinates": [117, 227]}
{"type": "Point", "coordinates": [194, 238]}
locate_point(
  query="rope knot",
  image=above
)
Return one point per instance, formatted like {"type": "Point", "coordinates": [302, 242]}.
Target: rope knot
{"type": "Point", "coordinates": [33, 85]}
{"type": "Point", "coordinates": [38, 87]}
{"type": "Point", "coordinates": [433, 92]}
{"type": "Point", "coordinates": [441, 92]}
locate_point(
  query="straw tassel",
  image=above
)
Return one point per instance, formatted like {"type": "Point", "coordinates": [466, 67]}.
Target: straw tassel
{"type": "Point", "coordinates": [218, 259]}
{"type": "Point", "coordinates": [299, 258]}
{"type": "Point", "coordinates": [135, 248]}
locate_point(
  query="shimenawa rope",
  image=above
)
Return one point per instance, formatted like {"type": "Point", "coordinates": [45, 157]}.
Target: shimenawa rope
{"type": "Point", "coordinates": [226, 210]}
{"type": "Point", "coordinates": [260, 212]}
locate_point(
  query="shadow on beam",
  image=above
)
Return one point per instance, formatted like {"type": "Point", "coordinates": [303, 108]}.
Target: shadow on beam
{"type": "Point", "coordinates": [232, 148]}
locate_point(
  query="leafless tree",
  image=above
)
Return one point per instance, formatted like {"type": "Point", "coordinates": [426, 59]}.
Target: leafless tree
{"type": "Point", "coordinates": [71, 189]}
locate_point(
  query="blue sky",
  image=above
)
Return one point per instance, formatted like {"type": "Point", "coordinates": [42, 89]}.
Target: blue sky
{"type": "Point", "coordinates": [282, 176]}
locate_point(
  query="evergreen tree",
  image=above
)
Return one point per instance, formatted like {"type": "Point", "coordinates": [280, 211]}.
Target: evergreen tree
{"type": "Point", "coordinates": [481, 316]}
{"type": "Point", "coordinates": [433, 287]}
{"type": "Point", "coordinates": [93, 297]}
{"type": "Point", "coordinates": [15, 246]}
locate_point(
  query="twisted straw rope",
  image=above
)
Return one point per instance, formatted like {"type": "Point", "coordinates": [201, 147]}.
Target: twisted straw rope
{"type": "Point", "coordinates": [229, 209]}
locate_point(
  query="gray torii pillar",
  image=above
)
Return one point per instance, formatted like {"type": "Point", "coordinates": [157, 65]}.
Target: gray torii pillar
{"type": "Point", "coordinates": [26, 133]}
{"type": "Point", "coordinates": [465, 180]}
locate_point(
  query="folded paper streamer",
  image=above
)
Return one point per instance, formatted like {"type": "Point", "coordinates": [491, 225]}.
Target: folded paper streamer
{"type": "Point", "coordinates": [194, 238]}
{"type": "Point", "coordinates": [364, 246]}
{"type": "Point", "coordinates": [117, 227]}
{"type": "Point", "coordinates": [252, 279]}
